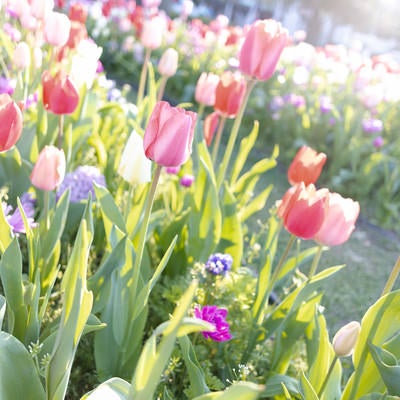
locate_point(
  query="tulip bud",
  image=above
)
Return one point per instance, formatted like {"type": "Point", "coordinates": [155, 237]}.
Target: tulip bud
{"type": "Point", "coordinates": [210, 126]}
{"type": "Point", "coordinates": [152, 33]}
{"type": "Point", "coordinates": [56, 29]}
{"type": "Point", "coordinates": [22, 55]}
{"type": "Point", "coordinates": [346, 338]}
{"type": "Point", "coordinates": [10, 122]}
{"type": "Point", "coordinates": [49, 169]}
{"type": "Point", "coordinates": [168, 63]}
{"type": "Point", "coordinates": [40, 9]}
{"type": "Point", "coordinates": [134, 166]}
{"type": "Point", "coordinates": [205, 89]}
{"type": "Point", "coordinates": [169, 135]}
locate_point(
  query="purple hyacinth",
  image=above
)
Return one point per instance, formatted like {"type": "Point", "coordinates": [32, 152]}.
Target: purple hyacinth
{"type": "Point", "coordinates": [219, 263]}
{"type": "Point", "coordinates": [14, 219]}
{"type": "Point", "coordinates": [217, 317]}
{"type": "Point", "coordinates": [80, 183]}
{"type": "Point", "coordinates": [372, 125]}
{"type": "Point", "coordinates": [187, 180]}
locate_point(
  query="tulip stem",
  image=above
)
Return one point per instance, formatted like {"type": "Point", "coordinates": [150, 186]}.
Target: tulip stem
{"type": "Point", "coordinates": [330, 370]}
{"type": "Point", "coordinates": [161, 89]}
{"type": "Point", "coordinates": [392, 278]}
{"type": "Point", "coordinates": [143, 76]}
{"type": "Point", "coordinates": [129, 201]}
{"type": "Point", "coordinates": [46, 208]}
{"type": "Point", "coordinates": [315, 262]}
{"type": "Point", "coordinates": [218, 140]}
{"type": "Point", "coordinates": [234, 133]}
{"type": "Point", "coordinates": [60, 131]}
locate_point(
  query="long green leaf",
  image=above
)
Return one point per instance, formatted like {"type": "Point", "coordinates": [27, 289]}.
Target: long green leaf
{"type": "Point", "coordinates": [238, 391]}
{"type": "Point", "coordinates": [113, 389]}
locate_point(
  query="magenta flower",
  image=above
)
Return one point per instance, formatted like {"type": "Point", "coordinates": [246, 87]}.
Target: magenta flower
{"type": "Point", "coordinates": [187, 180]}
{"type": "Point", "coordinates": [216, 316]}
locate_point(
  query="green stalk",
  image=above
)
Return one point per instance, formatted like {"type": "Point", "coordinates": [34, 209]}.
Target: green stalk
{"type": "Point", "coordinates": [218, 140]}
{"type": "Point", "coordinates": [161, 89]}
{"type": "Point", "coordinates": [392, 278]}
{"type": "Point", "coordinates": [129, 201]}
{"type": "Point", "coordinates": [46, 208]}
{"type": "Point", "coordinates": [60, 131]}
{"type": "Point", "coordinates": [234, 134]}
{"type": "Point", "coordinates": [315, 262]}
{"type": "Point", "coordinates": [143, 76]}
{"type": "Point", "coordinates": [330, 370]}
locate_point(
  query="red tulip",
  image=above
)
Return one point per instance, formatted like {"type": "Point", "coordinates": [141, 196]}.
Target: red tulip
{"type": "Point", "coordinates": [306, 166]}
{"type": "Point", "coordinates": [10, 122]}
{"type": "Point", "coordinates": [169, 135]}
{"type": "Point", "coordinates": [210, 126]}
{"type": "Point", "coordinates": [302, 210]}
{"type": "Point", "coordinates": [78, 12]}
{"type": "Point", "coordinates": [49, 170]}
{"type": "Point", "coordinates": [262, 48]}
{"type": "Point", "coordinates": [339, 222]}
{"type": "Point", "coordinates": [229, 94]}
{"type": "Point", "coordinates": [59, 93]}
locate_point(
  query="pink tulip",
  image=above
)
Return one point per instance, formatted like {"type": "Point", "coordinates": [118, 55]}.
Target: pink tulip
{"type": "Point", "coordinates": [262, 48]}
{"type": "Point", "coordinates": [40, 9]}
{"type": "Point", "coordinates": [10, 122]}
{"type": "Point", "coordinates": [22, 55]}
{"type": "Point", "coordinates": [302, 210]}
{"type": "Point", "coordinates": [49, 169]}
{"type": "Point", "coordinates": [169, 135]}
{"type": "Point", "coordinates": [339, 222]}
{"type": "Point", "coordinates": [152, 33]}
{"type": "Point", "coordinates": [168, 63]}
{"type": "Point", "coordinates": [56, 29]}
{"type": "Point", "coordinates": [205, 89]}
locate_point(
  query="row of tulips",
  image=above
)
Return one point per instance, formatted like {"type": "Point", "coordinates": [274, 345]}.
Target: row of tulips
{"type": "Point", "coordinates": [330, 97]}
{"type": "Point", "coordinates": [130, 230]}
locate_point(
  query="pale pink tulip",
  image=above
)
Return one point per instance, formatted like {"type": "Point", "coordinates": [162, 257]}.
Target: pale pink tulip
{"type": "Point", "coordinates": [56, 29]}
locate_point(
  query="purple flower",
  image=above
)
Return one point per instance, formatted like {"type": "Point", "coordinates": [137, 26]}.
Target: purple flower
{"type": "Point", "coordinates": [7, 85]}
{"type": "Point", "coordinates": [276, 104]}
{"type": "Point", "coordinates": [80, 183]}
{"type": "Point", "coordinates": [295, 100]}
{"type": "Point", "coordinates": [378, 142]}
{"type": "Point", "coordinates": [217, 317]}
{"type": "Point", "coordinates": [15, 219]}
{"type": "Point", "coordinates": [325, 104]}
{"type": "Point", "coordinates": [372, 125]}
{"type": "Point", "coordinates": [31, 100]}
{"type": "Point", "coordinates": [172, 170]}
{"type": "Point", "coordinates": [219, 263]}
{"type": "Point", "coordinates": [187, 180]}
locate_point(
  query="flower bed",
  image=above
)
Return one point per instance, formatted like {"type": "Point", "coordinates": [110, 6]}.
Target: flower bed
{"type": "Point", "coordinates": [123, 224]}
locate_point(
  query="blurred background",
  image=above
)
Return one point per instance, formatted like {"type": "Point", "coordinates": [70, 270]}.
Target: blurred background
{"type": "Point", "coordinates": [372, 26]}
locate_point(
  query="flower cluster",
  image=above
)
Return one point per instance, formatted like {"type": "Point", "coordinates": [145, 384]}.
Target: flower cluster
{"type": "Point", "coordinates": [217, 317]}
{"type": "Point", "coordinates": [14, 218]}
{"type": "Point", "coordinates": [219, 264]}
{"type": "Point", "coordinates": [80, 183]}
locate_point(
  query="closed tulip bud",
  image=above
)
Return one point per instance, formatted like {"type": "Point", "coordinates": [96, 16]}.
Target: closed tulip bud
{"type": "Point", "coordinates": [40, 9]}
{"type": "Point", "coordinates": [152, 33]}
{"type": "Point", "coordinates": [339, 222]}
{"type": "Point", "coordinates": [229, 94]}
{"type": "Point", "coordinates": [306, 166]}
{"type": "Point", "coordinates": [10, 122]}
{"type": "Point", "coordinates": [261, 49]}
{"type": "Point", "coordinates": [168, 63]}
{"type": "Point", "coordinates": [205, 89]}
{"type": "Point", "coordinates": [210, 126]}
{"type": "Point", "coordinates": [169, 135]}
{"type": "Point", "coordinates": [59, 93]}
{"type": "Point", "coordinates": [22, 55]}
{"type": "Point", "coordinates": [134, 166]}
{"type": "Point", "coordinates": [56, 29]}
{"type": "Point", "coordinates": [49, 170]}
{"type": "Point", "coordinates": [346, 338]}
{"type": "Point", "coordinates": [302, 210]}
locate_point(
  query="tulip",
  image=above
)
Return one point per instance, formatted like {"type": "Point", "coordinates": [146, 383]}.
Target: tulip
{"type": "Point", "coordinates": [261, 49]}
{"type": "Point", "coordinates": [205, 89]}
{"type": "Point", "coordinates": [187, 180]}
{"type": "Point", "coordinates": [302, 210]}
{"type": "Point", "coordinates": [168, 63]}
{"type": "Point", "coordinates": [229, 94]}
{"type": "Point", "coordinates": [59, 93]}
{"type": "Point", "coordinates": [49, 169]}
{"type": "Point", "coordinates": [306, 166]}
{"type": "Point", "coordinates": [346, 338]}
{"type": "Point", "coordinates": [339, 222]}
{"type": "Point", "coordinates": [78, 12]}
{"type": "Point", "coordinates": [56, 28]}
{"type": "Point", "coordinates": [10, 122]}
{"type": "Point", "coordinates": [134, 166]}
{"type": "Point", "coordinates": [40, 9]}
{"type": "Point", "coordinates": [22, 55]}
{"type": "Point", "coordinates": [169, 135]}
{"type": "Point", "coordinates": [152, 33]}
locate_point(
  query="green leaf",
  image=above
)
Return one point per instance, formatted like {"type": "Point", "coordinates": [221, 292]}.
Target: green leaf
{"type": "Point", "coordinates": [273, 385]}
{"type": "Point", "coordinates": [2, 310]}
{"type": "Point", "coordinates": [198, 385]}
{"type": "Point", "coordinates": [6, 233]}
{"type": "Point", "coordinates": [114, 388]}
{"type": "Point", "coordinates": [378, 396]}
{"type": "Point", "coordinates": [307, 389]}
{"type": "Point", "coordinates": [238, 391]}
{"type": "Point", "coordinates": [379, 324]}
{"type": "Point", "coordinates": [19, 378]}
{"type": "Point", "coordinates": [388, 369]}
{"type": "Point", "coordinates": [75, 313]}
{"type": "Point", "coordinates": [255, 205]}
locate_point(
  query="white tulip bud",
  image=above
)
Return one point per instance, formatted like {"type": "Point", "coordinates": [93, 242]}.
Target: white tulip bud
{"type": "Point", "coordinates": [168, 63]}
{"type": "Point", "coordinates": [346, 338]}
{"type": "Point", "coordinates": [134, 166]}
